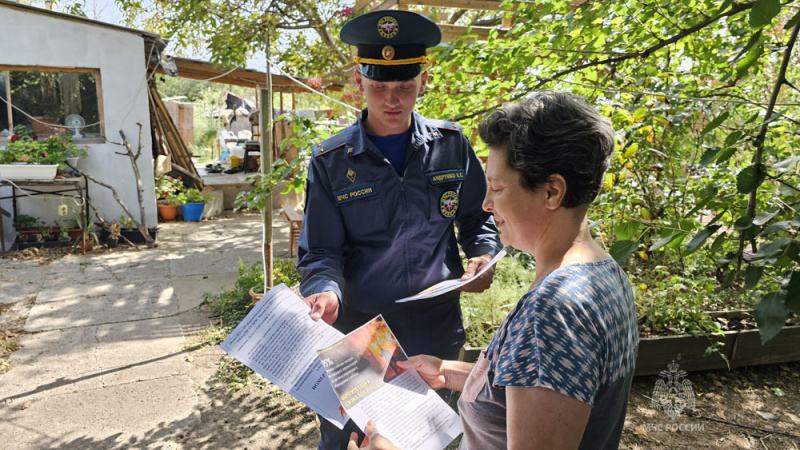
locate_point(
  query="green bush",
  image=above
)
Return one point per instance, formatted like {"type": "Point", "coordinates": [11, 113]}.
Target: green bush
{"type": "Point", "coordinates": [485, 311]}
{"type": "Point", "coordinates": [230, 305]}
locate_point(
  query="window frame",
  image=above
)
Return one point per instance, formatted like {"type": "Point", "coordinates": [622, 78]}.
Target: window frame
{"type": "Point", "coordinates": [5, 69]}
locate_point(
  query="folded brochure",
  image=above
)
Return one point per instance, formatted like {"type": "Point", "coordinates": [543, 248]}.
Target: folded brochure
{"type": "Point", "coordinates": [363, 370]}
{"type": "Point", "coordinates": [449, 285]}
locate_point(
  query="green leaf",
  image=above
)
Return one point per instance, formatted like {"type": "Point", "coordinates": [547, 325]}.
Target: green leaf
{"type": "Point", "coordinates": [711, 192]}
{"type": "Point", "coordinates": [775, 227]}
{"type": "Point", "coordinates": [756, 37]}
{"type": "Point", "coordinates": [715, 123]}
{"type": "Point", "coordinates": [749, 59]}
{"type": "Point", "coordinates": [626, 230]}
{"type": "Point", "coordinates": [764, 217]}
{"type": "Point", "coordinates": [708, 156]}
{"type": "Point", "coordinates": [733, 138]}
{"type": "Point", "coordinates": [743, 223]}
{"type": "Point", "coordinates": [770, 314]}
{"type": "Point", "coordinates": [750, 178]}
{"type": "Point", "coordinates": [664, 241]}
{"type": "Point", "coordinates": [701, 237]}
{"type": "Point", "coordinates": [763, 12]}
{"type": "Point", "coordinates": [621, 249]}
{"type": "Point", "coordinates": [752, 275]}
{"type": "Point", "coordinates": [793, 292]}
{"type": "Point", "coordinates": [726, 154]}
{"type": "Point", "coordinates": [793, 21]}
{"type": "Point", "coordinates": [719, 241]}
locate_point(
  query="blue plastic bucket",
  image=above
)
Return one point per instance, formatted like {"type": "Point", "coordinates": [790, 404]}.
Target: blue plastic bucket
{"type": "Point", "coordinates": [193, 212]}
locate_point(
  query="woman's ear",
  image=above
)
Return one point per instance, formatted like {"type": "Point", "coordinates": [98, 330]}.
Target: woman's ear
{"type": "Point", "coordinates": [555, 190]}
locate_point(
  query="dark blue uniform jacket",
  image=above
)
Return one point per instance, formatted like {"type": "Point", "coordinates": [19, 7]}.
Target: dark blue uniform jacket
{"type": "Point", "coordinates": [373, 237]}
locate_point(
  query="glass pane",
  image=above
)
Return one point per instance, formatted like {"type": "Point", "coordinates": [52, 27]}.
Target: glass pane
{"type": "Point", "coordinates": [44, 100]}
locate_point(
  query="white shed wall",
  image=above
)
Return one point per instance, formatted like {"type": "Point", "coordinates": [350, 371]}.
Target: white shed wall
{"type": "Point", "coordinates": [38, 40]}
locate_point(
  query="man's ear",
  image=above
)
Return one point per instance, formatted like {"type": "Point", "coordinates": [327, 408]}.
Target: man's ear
{"type": "Point", "coordinates": [423, 81]}
{"type": "Point", "coordinates": [555, 189]}
{"type": "Point", "coordinates": [357, 77]}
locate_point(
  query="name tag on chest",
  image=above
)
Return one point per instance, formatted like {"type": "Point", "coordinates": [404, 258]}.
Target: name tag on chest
{"type": "Point", "coordinates": [355, 192]}
{"type": "Point", "coordinates": [446, 176]}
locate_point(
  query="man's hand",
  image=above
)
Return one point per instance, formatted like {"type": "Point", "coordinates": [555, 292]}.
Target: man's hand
{"type": "Point", "coordinates": [474, 265]}
{"type": "Point", "coordinates": [323, 305]}
{"type": "Point", "coordinates": [372, 440]}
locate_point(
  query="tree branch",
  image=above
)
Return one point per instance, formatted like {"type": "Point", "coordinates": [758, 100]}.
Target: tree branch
{"type": "Point", "coordinates": [735, 9]}
{"type": "Point", "coordinates": [762, 133]}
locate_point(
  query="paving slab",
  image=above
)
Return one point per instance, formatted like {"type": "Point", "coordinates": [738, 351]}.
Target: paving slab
{"type": "Point", "coordinates": [53, 363]}
{"type": "Point", "coordinates": [134, 415]}
{"type": "Point", "coordinates": [108, 303]}
{"type": "Point", "coordinates": [140, 350]}
{"type": "Point", "coordinates": [19, 279]}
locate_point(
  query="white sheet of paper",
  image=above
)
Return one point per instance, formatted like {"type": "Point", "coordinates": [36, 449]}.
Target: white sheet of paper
{"type": "Point", "coordinates": [449, 285]}
{"type": "Point", "coordinates": [279, 341]}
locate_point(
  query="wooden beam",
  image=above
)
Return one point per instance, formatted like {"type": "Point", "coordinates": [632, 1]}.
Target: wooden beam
{"type": "Point", "coordinates": [249, 78]}
{"type": "Point", "coordinates": [458, 4]}
{"type": "Point", "coordinates": [453, 32]}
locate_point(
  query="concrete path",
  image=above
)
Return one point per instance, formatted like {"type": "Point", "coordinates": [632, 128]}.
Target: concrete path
{"type": "Point", "coordinates": [102, 363]}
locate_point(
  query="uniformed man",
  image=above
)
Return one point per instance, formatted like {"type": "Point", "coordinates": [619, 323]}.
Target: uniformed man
{"type": "Point", "coordinates": [383, 199]}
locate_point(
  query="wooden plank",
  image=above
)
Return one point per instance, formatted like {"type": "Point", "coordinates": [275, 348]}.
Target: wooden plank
{"type": "Point", "coordinates": [784, 347]}
{"type": "Point", "coordinates": [459, 4]}
{"type": "Point", "coordinates": [202, 70]}
{"type": "Point", "coordinates": [452, 32]}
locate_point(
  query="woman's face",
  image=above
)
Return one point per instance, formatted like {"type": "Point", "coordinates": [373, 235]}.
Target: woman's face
{"type": "Point", "coordinates": [518, 212]}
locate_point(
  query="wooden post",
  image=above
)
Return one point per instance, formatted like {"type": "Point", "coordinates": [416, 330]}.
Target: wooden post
{"type": "Point", "coordinates": [8, 101]}
{"type": "Point", "coordinates": [265, 129]}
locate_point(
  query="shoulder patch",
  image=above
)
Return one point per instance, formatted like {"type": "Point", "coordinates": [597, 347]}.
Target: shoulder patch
{"type": "Point", "coordinates": [331, 143]}
{"type": "Point", "coordinates": [446, 125]}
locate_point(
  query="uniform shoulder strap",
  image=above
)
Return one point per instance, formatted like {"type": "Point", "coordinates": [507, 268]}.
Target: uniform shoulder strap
{"type": "Point", "coordinates": [446, 125]}
{"type": "Point", "coordinates": [331, 143]}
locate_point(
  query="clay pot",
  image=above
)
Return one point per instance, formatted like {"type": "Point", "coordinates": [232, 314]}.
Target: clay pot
{"type": "Point", "coordinates": [256, 296]}
{"type": "Point", "coordinates": [168, 213]}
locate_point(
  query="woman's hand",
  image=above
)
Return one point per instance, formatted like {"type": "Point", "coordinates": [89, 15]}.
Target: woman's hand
{"type": "Point", "coordinates": [430, 368]}
{"type": "Point", "coordinates": [373, 440]}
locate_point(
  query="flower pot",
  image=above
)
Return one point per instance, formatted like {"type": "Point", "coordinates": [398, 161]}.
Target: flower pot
{"type": "Point", "coordinates": [112, 242]}
{"type": "Point", "coordinates": [193, 212]}
{"type": "Point", "coordinates": [168, 213]}
{"type": "Point", "coordinates": [256, 296]}
{"type": "Point", "coordinates": [28, 171]}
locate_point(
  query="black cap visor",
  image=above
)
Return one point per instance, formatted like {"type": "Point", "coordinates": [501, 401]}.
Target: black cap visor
{"type": "Point", "coordinates": [390, 73]}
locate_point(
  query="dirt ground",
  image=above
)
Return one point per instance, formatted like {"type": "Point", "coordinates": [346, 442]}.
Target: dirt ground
{"type": "Point", "coordinates": [745, 408]}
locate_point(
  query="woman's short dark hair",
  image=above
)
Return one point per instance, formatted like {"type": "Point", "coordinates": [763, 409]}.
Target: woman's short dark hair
{"type": "Point", "coordinates": [553, 133]}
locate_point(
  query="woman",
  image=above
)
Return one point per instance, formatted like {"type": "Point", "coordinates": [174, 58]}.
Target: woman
{"type": "Point", "coordinates": [558, 372]}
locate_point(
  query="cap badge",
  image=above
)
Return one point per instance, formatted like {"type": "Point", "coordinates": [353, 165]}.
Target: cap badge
{"type": "Point", "coordinates": [351, 175]}
{"type": "Point", "coordinates": [388, 27]}
{"type": "Point", "coordinates": [388, 52]}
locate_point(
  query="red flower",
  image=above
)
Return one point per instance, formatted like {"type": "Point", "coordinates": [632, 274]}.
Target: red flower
{"type": "Point", "coordinates": [347, 12]}
{"type": "Point", "coordinates": [13, 137]}
{"type": "Point", "coordinates": [23, 158]}
{"type": "Point", "coordinates": [87, 147]}
{"type": "Point", "coordinates": [62, 129]}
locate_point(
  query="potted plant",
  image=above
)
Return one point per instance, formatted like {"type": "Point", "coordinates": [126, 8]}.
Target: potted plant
{"type": "Point", "coordinates": [167, 191]}
{"type": "Point", "coordinates": [27, 227]}
{"type": "Point", "coordinates": [193, 202]}
{"type": "Point", "coordinates": [113, 239]}
{"type": "Point", "coordinates": [87, 238]}
{"type": "Point", "coordinates": [26, 158]}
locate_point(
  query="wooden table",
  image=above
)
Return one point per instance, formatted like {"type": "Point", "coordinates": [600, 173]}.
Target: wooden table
{"type": "Point", "coordinates": [295, 219]}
